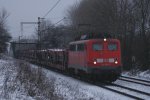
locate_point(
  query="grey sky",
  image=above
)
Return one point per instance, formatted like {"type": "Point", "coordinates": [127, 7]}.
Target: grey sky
{"type": "Point", "coordinates": [30, 10]}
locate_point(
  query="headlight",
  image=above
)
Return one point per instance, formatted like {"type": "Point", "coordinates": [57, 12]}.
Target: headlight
{"type": "Point", "coordinates": [95, 62]}
{"type": "Point", "coordinates": [116, 62]}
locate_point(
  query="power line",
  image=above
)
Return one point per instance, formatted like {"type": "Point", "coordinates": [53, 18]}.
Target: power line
{"type": "Point", "coordinates": [60, 21]}
{"type": "Point", "coordinates": [51, 8]}
{"type": "Point", "coordinates": [54, 24]}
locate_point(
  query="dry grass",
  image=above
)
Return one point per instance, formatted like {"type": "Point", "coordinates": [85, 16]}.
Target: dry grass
{"type": "Point", "coordinates": [36, 83]}
{"type": "Point", "coordinates": [28, 81]}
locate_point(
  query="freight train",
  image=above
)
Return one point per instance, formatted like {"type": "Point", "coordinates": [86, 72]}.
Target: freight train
{"type": "Point", "coordinates": [95, 59]}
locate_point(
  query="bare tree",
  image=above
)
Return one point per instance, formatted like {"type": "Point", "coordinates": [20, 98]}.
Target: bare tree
{"type": "Point", "coordinates": [4, 35]}
{"type": "Point", "coordinates": [53, 36]}
{"type": "Point", "coordinates": [108, 16]}
{"type": "Point", "coordinates": [142, 9]}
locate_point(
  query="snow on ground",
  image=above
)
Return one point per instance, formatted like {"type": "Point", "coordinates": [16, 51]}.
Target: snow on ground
{"type": "Point", "coordinates": [9, 89]}
{"type": "Point", "coordinates": [141, 75]}
{"type": "Point", "coordinates": [145, 75]}
{"type": "Point", "coordinates": [68, 87]}
{"type": "Point", "coordinates": [73, 89]}
{"type": "Point", "coordinates": [133, 85]}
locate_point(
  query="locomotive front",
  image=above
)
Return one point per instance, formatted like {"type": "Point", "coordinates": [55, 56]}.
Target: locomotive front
{"type": "Point", "coordinates": [104, 59]}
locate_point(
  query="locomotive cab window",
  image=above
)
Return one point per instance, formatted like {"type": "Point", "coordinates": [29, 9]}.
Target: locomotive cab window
{"type": "Point", "coordinates": [72, 47]}
{"type": "Point", "coordinates": [80, 47]}
{"type": "Point", "coordinates": [97, 47]}
{"type": "Point", "coordinates": [112, 46]}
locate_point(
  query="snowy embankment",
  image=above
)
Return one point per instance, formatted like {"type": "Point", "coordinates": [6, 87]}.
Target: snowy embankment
{"type": "Point", "coordinates": [17, 82]}
{"type": "Point", "coordinates": [139, 74]}
{"type": "Point", "coordinates": [9, 88]}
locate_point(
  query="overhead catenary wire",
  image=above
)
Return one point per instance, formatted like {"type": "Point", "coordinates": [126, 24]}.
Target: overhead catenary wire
{"type": "Point", "coordinates": [54, 24]}
{"type": "Point", "coordinates": [52, 8]}
{"type": "Point", "coordinates": [60, 21]}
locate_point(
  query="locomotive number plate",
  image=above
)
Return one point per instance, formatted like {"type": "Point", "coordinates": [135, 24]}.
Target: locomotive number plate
{"type": "Point", "coordinates": [100, 60]}
{"type": "Point", "coordinates": [110, 60]}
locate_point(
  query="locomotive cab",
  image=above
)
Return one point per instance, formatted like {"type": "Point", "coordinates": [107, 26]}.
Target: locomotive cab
{"type": "Point", "coordinates": [104, 58]}
{"type": "Point", "coordinates": [100, 58]}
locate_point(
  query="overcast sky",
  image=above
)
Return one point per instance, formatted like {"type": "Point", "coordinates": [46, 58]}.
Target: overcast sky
{"type": "Point", "coordinates": [30, 10]}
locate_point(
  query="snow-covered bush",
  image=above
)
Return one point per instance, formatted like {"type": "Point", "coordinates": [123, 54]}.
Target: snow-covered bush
{"type": "Point", "coordinates": [36, 83]}
{"type": "Point", "coordinates": [20, 81]}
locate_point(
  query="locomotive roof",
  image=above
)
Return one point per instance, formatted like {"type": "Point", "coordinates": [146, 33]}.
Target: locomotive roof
{"type": "Point", "coordinates": [93, 40]}
{"type": "Point", "coordinates": [56, 49]}
{"type": "Point", "coordinates": [50, 50]}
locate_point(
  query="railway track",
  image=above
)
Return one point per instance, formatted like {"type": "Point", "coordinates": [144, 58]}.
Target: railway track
{"type": "Point", "coordinates": [135, 80]}
{"type": "Point", "coordinates": [146, 81]}
{"type": "Point", "coordinates": [120, 92]}
{"type": "Point", "coordinates": [134, 90]}
{"type": "Point", "coordinates": [109, 87]}
{"type": "Point", "coordinates": [104, 86]}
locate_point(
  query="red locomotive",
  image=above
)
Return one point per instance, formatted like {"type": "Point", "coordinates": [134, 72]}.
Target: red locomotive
{"type": "Point", "coordinates": [98, 59]}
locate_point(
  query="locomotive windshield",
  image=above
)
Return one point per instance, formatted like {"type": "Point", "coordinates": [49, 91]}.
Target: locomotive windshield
{"type": "Point", "coordinates": [72, 47]}
{"type": "Point", "coordinates": [112, 46]}
{"type": "Point", "coordinates": [97, 47]}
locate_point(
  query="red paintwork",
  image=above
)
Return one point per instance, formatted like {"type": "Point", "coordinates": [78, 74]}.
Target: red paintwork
{"type": "Point", "coordinates": [84, 59]}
